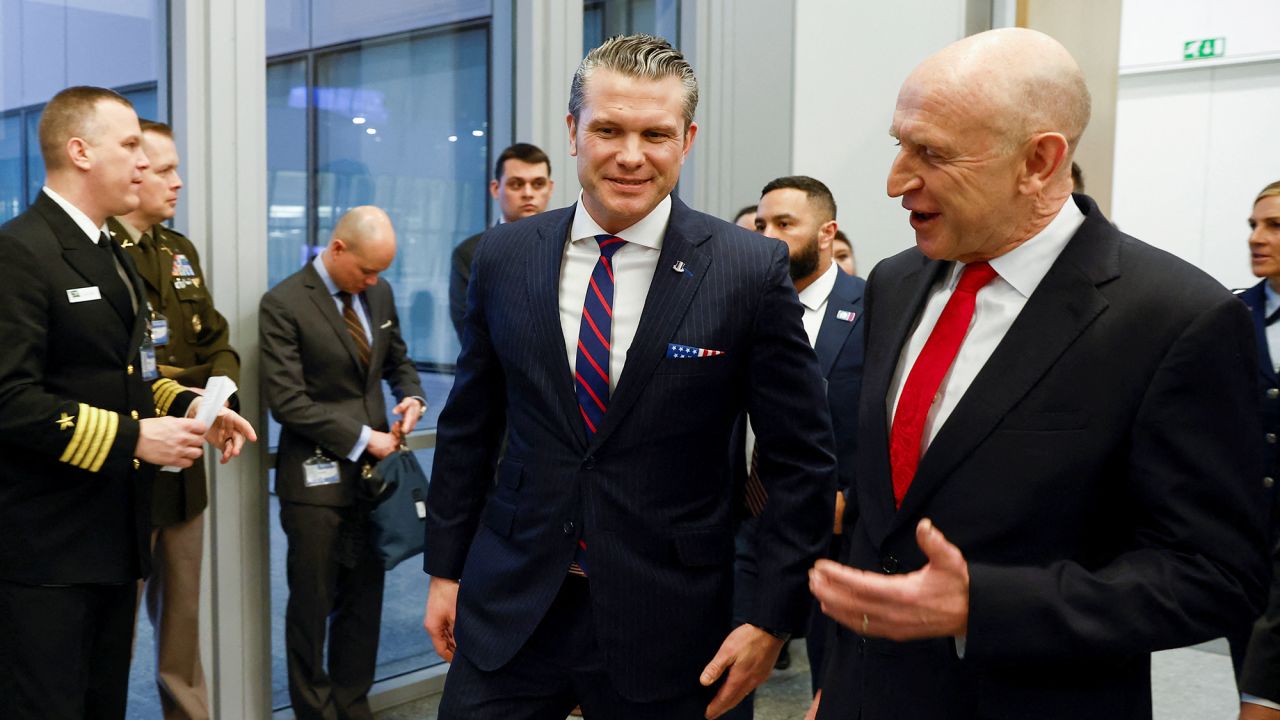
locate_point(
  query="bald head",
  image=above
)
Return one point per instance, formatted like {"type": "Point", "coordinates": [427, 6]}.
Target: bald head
{"type": "Point", "coordinates": [363, 245]}
{"type": "Point", "coordinates": [1023, 81]}
{"type": "Point", "coordinates": [987, 127]}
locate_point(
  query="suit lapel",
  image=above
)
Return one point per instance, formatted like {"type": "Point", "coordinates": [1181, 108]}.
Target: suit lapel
{"type": "Point", "coordinates": [669, 296]}
{"type": "Point", "coordinates": [378, 310]}
{"type": "Point", "coordinates": [834, 331]}
{"type": "Point", "coordinates": [95, 266]}
{"type": "Point", "coordinates": [545, 256]}
{"type": "Point", "coordinates": [1066, 302]}
{"type": "Point", "coordinates": [329, 311]}
{"type": "Point", "coordinates": [902, 303]}
{"type": "Point", "coordinates": [141, 319]}
{"type": "Point", "coordinates": [1256, 299]}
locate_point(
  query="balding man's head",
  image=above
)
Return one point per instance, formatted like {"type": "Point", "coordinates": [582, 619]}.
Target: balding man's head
{"type": "Point", "coordinates": [1024, 81]}
{"type": "Point", "coordinates": [987, 128]}
{"type": "Point", "coordinates": [363, 245]}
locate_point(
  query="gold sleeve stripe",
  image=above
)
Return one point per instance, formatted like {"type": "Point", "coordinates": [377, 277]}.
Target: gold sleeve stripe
{"type": "Point", "coordinates": [164, 392]}
{"type": "Point", "coordinates": [108, 437]}
{"type": "Point", "coordinates": [92, 417]}
{"type": "Point", "coordinates": [77, 437]}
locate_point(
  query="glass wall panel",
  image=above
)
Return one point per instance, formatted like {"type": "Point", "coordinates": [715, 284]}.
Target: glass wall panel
{"type": "Point", "coordinates": [35, 162]}
{"type": "Point", "coordinates": [402, 122]}
{"type": "Point", "coordinates": [11, 188]}
{"type": "Point", "coordinates": [603, 19]}
{"type": "Point", "coordinates": [402, 125]}
{"type": "Point", "coordinates": [286, 168]}
{"type": "Point", "coordinates": [46, 46]}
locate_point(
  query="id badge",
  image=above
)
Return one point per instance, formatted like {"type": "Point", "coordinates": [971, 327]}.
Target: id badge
{"type": "Point", "coordinates": [147, 354]}
{"type": "Point", "coordinates": [320, 471]}
{"type": "Point", "coordinates": [159, 331]}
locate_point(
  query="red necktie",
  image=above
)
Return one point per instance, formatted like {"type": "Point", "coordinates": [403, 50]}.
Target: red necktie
{"type": "Point", "coordinates": [919, 392]}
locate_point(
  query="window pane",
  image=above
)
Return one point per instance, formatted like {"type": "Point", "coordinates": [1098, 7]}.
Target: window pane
{"type": "Point", "coordinates": [11, 189]}
{"type": "Point", "coordinates": [402, 125]}
{"type": "Point", "coordinates": [144, 101]}
{"type": "Point", "coordinates": [286, 168]}
{"type": "Point", "coordinates": [35, 163]}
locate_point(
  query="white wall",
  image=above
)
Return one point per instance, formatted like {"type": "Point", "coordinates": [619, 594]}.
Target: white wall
{"type": "Point", "coordinates": [1195, 140]}
{"type": "Point", "coordinates": [850, 60]}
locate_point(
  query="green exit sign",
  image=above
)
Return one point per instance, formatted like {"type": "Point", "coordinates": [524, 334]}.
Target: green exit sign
{"type": "Point", "coordinates": [1202, 49]}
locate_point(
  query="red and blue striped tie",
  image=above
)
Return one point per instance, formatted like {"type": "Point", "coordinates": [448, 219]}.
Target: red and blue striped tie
{"type": "Point", "coordinates": [591, 372]}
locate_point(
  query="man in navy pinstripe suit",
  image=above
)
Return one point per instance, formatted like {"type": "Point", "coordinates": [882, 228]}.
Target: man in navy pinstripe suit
{"type": "Point", "coordinates": [615, 342]}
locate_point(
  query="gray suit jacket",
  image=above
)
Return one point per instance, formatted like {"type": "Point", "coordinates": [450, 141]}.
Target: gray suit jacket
{"type": "Point", "coordinates": [314, 385]}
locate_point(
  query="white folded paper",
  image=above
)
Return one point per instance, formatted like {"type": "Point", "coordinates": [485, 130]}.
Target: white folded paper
{"type": "Point", "coordinates": [216, 393]}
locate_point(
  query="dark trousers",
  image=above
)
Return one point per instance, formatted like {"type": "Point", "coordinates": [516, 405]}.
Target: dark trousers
{"type": "Point", "coordinates": [64, 651]}
{"type": "Point", "coordinates": [335, 590]}
{"type": "Point", "coordinates": [559, 667]}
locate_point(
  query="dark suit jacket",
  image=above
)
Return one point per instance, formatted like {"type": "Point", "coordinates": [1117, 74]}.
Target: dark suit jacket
{"type": "Point", "coordinates": [1260, 675]}
{"type": "Point", "coordinates": [74, 503]}
{"type": "Point", "coordinates": [459, 276]}
{"type": "Point", "coordinates": [839, 347]}
{"type": "Point", "coordinates": [199, 347]}
{"type": "Point", "coordinates": [651, 492]}
{"type": "Point", "coordinates": [315, 386]}
{"type": "Point", "coordinates": [1101, 476]}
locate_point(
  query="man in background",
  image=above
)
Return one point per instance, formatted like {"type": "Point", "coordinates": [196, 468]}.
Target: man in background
{"type": "Point", "coordinates": [330, 337]}
{"type": "Point", "coordinates": [801, 212]}
{"type": "Point", "coordinates": [522, 186]}
{"type": "Point", "coordinates": [192, 344]}
{"type": "Point", "coordinates": [842, 253]}
{"type": "Point", "coordinates": [746, 218]}
{"type": "Point", "coordinates": [78, 438]}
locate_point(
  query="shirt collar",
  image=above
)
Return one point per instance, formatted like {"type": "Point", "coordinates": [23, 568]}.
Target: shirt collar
{"type": "Point", "coordinates": [819, 290]}
{"type": "Point", "coordinates": [77, 215]}
{"type": "Point", "coordinates": [1026, 265]}
{"type": "Point", "coordinates": [329, 284]}
{"type": "Point", "coordinates": [135, 235]}
{"type": "Point", "coordinates": [647, 232]}
{"type": "Point", "coordinates": [1273, 298]}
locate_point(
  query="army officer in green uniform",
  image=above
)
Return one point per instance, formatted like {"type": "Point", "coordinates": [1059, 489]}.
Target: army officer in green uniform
{"type": "Point", "coordinates": [191, 339]}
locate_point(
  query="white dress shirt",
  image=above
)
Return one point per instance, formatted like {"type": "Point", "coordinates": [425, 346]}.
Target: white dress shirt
{"type": "Point", "coordinates": [814, 299]}
{"type": "Point", "coordinates": [997, 306]}
{"type": "Point", "coordinates": [633, 268]}
{"type": "Point", "coordinates": [81, 219]}
{"type": "Point", "coordinates": [84, 223]}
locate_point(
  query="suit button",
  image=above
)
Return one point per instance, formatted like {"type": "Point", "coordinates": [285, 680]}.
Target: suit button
{"type": "Point", "coordinates": [1273, 393]}
{"type": "Point", "coordinates": [889, 564]}
{"type": "Point", "coordinates": [128, 370]}
{"type": "Point", "coordinates": [1271, 438]}
{"type": "Point", "coordinates": [589, 462]}
{"type": "Point", "coordinates": [136, 464]}
{"type": "Point", "coordinates": [1268, 482]}
{"type": "Point", "coordinates": [569, 527]}
{"type": "Point", "coordinates": [133, 414]}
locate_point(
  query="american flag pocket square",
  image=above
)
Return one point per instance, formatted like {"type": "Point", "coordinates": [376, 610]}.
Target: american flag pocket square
{"type": "Point", "coordinates": [688, 351]}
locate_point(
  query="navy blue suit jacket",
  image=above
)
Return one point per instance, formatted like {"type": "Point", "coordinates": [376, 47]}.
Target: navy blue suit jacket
{"type": "Point", "coordinates": [1100, 475]}
{"type": "Point", "coordinates": [650, 493]}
